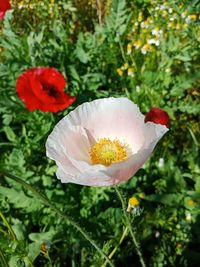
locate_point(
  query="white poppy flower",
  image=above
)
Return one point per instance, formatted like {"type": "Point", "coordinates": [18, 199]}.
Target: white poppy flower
{"type": "Point", "coordinates": [103, 142]}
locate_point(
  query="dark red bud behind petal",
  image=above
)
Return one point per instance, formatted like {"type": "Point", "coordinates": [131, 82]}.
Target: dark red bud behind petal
{"type": "Point", "coordinates": [158, 116]}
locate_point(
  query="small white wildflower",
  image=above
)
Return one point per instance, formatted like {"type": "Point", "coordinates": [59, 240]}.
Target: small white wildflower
{"type": "Point", "coordinates": [137, 88]}
{"type": "Point", "coordinates": [143, 51]}
{"type": "Point", "coordinates": [170, 10]}
{"type": "Point", "coordinates": [151, 41]}
{"type": "Point", "coordinates": [188, 216]}
{"type": "Point", "coordinates": [162, 7]}
{"type": "Point", "coordinates": [157, 234]}
{"type": "Point", "coordinates": [161, 162]}
{"type": "Point", "coordinates": [184, 14]}
{"type": "Point", "coordinates": [187, 19]}
{"type": "Point", "coordinates": [154, 32]}
{"type": "Point", "coordinates": [21, 6]}
{"type": "Point", "coordinates": [144, 25]}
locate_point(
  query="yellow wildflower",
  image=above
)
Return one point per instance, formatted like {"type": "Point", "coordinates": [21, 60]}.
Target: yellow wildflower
{"type": "Point", "coordinates": [125, 66]}
{"type": "Point", "coordinates": [133, 203]}
{"type": "Point", "coordinates": [140, 16]}
{"type": "Point", "coordinates": [120, 72]}
{"type": "Point", "coordinates": [190, 202]}
{"type": "Point", "coordinates": [178, 26]}
{"type": "Point", "coordinates": [156, 31]}
{"type": "Point", "coordinates": [170, 24]}
{"type": "Point", "coordinates": [137, 44]}
{"type": "Point", "coordinates": [165, 13]}
{"type": "Point", "coordinates": [142, 195]}
{"type": "Point", "coordinates": [146, 48]}
{"type": "Point", "coordinates": [185, 25]}
{"type": "Point", "coordinates": [184, 14]}
{"type": "Point", "coordinates": [193, 17]}
{"type": "Point", "coordinates": [129, 49]}
{"type": "Point", "coordinates": [131, 72]}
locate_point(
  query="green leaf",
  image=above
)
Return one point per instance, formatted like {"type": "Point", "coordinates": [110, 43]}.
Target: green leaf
{"type": "Point", "coordinates": [41, 237]}
{"type": "Point", "coordinates": [117, 21]}
{"type": "Point", "coordinates": [19, 199]}
{"type": "Point", "coordinates": [168, 199]}
{"type": "Point", "coordinates": [82, 55]}
{"type": "Point", "coordinates": [10, 134]}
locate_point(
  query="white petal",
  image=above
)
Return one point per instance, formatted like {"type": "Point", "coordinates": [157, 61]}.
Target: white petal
{"type": "Point", "coordinates": [94, 177]}
{"type": "Point", "coordinates": [64, 176]}
{"type": "Point", "coordinates": [55, 151]}
{"type": "Point", "coordinates": [66, 143]}
{"type": "Point", "coordinates": [110, 118]}
{"type": "Point", "coordinates": [72, 138]}
{"type": "Point", "coordinates": [153, 132]}
{"type": "Point", "coordinates": [124, 170]}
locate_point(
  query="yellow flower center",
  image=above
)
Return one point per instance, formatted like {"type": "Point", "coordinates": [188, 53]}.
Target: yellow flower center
{"type": "Point", "coordinates": [107, 152]}
{"type": "Point", "coordinates": [133, 201]}
{"type": "Point", "coordinates": [191, 202]}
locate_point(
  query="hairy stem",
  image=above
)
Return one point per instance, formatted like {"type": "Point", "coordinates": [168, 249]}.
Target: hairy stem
{"type": "Point", "coordinates": [128, 222]}
{"type": "Point", "coordinates": [48, 203]}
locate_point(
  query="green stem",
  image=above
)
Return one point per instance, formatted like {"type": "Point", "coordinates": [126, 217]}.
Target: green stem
{"type": "Point", "coordinates": [48, 203]}
{"type": "Point", "coordinates": [3, 260]}
{"type": "Point", "coordinates": [4, 232]}
{"type": "Point", "coordinates": [128, 222]}
{"type": "Point", "coordinates": [49, 259]}
{"type": "Point", "coordinates": [120, 241]}
{"type": "Point", "coordinates": [117, 246]}
{"type": "Point", "coordinates": [122, 50]}
{"type": "Point", "coordinates": [26, 258]}
{"type": "Point", "coordinates": [8, 226]}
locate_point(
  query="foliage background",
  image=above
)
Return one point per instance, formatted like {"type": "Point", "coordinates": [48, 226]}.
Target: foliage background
{"type": "Point", "coordinates": [103, 48]}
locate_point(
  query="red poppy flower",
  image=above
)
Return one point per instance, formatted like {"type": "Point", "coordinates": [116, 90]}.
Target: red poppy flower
{"type": "Point", "coordinates": [4, 6]}
{"type": "Point", "coordinates": [158, 116]}
{"type": "Point", "coordinates": [43, 88]}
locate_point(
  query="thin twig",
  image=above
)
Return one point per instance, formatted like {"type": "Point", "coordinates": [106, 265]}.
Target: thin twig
{"type": "Point", "coordinates": [99, 11]}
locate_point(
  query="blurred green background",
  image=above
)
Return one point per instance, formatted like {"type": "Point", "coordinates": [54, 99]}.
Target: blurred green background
{"type": "Point", "coordinates": [145, 50]}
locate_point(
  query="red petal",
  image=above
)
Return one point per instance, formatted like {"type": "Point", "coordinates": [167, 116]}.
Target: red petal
{"type": "Point", "coordinates": [24, 91]}
{"type": "Point", "coordinates": [158, 116]}
{"type": "Point", "coordinates": [4, 6]}
{"type": "Point", "coordinates": [51, 77]}
{"type": "Point", "coordinates": [43, 88]}
{"type": "Point", "coordinates": [68, 100]}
